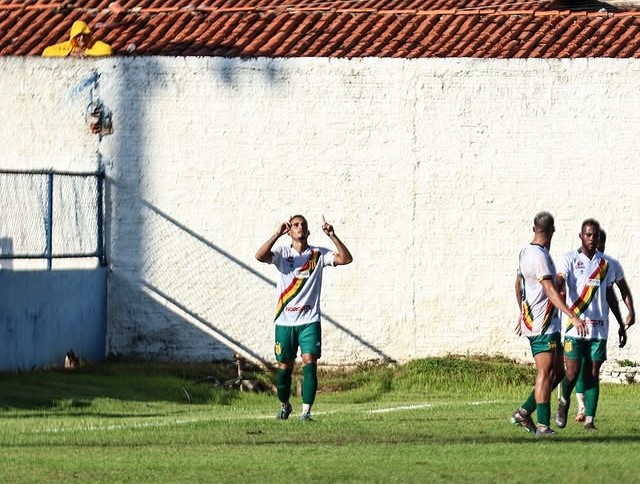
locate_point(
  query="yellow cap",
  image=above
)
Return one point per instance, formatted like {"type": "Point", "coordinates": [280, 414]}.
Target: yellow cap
{"type": "Point", "coordinates": [79, 27]}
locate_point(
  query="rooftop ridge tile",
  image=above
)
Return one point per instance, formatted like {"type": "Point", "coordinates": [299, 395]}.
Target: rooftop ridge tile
{"type": "Point", "coordinates": [331, 28]}
{"type": "Point", "coordinates": [116, 8]}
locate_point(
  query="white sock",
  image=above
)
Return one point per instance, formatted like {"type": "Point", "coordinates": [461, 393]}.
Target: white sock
{"type": "Point", "coordinates": [588, 419]}
{"type": "Point", "coordinates": [306, 408]}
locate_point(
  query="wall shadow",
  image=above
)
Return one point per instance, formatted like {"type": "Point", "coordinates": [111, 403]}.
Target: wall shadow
{"type": "Point", "coordinates": [174, 288]}
{"type": "Point", "coordinates": [261, 278]}
{"type": "Point", "coordinates": [190, 257]}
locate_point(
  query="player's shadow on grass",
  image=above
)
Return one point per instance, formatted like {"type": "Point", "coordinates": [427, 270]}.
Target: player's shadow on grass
{"type": "Point", "coordinates": [532, 439]}
{"type": "Point", "coordinates": [559, 439]}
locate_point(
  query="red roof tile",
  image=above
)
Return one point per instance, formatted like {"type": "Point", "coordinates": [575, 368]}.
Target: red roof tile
{"type": "Point", "coordinates": [330, 28]}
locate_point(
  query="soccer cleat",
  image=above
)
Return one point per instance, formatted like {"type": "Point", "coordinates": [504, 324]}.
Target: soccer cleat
{"type": "Point", "coordinates": [306, 417]}
{"type": "Point", "coordinates": [285, 411]}
{"type": "Point", "coordinates": [590, 426]}
{"type": "Point", "coordinates": [522, 418]}
{"type": "Point", "coordinates": [544, 431]}
{"type": "Point", "coordinates": [561, 413]}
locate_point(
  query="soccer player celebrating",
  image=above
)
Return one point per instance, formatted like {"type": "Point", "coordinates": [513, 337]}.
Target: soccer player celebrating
{"type": "Point", "coordinates": [297, 318]}
{"type": "Point", "coordinates": [537, 294]}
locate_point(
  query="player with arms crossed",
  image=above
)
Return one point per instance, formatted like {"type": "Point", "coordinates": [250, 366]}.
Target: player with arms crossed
{"type": "Point", "coordinates": [537, 294]}
{"type": "Point", "coordinates": [297, 317]}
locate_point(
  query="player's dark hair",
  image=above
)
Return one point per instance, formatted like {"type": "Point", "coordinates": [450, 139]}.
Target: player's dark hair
{"type": "Point", "coordinates": [603, 236]}
{"type": "Point", "coordinates": [591, 222]}
{"type": "Point", "coordinates": [543, 222]}
{"type": "Point", "coordinates": [298, 216]}
{"type": "Point", "coordinates": [303, 218]}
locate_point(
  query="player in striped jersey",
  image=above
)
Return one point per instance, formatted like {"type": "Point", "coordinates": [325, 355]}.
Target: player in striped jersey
{"type": "Point", "coordinates": [537, 294]}
{"type": "Point", "coordinates": [297, 319]}
{"type": "Point", "coordinates": [623, 324]}
{"type": "Point", "coordinates": [587, 276]}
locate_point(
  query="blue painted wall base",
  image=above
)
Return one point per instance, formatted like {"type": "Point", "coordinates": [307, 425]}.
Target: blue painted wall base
{"type": "Point", "coordinates": [44, 314]}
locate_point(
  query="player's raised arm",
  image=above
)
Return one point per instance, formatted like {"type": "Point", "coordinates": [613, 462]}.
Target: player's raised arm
{"type": "Point", "coordinates": [264, 252]}
{"type": "Point", "coordinates": [342, 254]}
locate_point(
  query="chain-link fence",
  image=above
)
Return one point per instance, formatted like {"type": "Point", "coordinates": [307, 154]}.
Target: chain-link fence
{"type": "Point", "coordinates": [47, 215]}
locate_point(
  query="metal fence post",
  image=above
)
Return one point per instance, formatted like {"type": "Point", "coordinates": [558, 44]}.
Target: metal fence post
{"type": "Point", "coordinates": [100, 203]}
{"type": "Point", "coordinates": [49, 224]}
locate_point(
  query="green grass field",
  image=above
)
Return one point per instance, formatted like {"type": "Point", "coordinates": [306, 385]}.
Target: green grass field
{"type": "Point", "coordinates": [429, 421]}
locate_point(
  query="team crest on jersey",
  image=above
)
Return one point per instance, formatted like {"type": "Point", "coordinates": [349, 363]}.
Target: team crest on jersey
{"type": "Point", "coordinates": [278, 349]}
{"type": "Point", "coordinates": [579, 265]}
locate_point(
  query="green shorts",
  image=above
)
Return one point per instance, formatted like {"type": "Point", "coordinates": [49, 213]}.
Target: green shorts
{"type": "Point", "coordinates": [545, 342]}
{"type": "Point", "coordinates": [288, 338]}
{"type": "Point", "coordinates": [592, 349]}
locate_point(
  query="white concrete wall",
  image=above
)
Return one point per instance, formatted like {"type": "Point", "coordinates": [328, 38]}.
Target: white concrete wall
{"type": "Point", "coordinates": [431, 171]}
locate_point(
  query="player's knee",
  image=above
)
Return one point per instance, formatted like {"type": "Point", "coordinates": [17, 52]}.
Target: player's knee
{"type": "Point", "coordinates": [285, 366]}
{"type": "Point", "coordinates": [310, 367]}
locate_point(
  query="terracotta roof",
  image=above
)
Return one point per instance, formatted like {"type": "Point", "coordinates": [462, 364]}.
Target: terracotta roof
{"type": "Point", "coordinates": [331, 28]}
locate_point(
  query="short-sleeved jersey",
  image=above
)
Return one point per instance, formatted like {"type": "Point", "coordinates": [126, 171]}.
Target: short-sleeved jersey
{"type": "Point", "coordinates": [299, 283]}
{"type": "Point", "coordinates": [587, 282]}
{"type": "Point", "coordinates": [538, 315]}
{"type": "Point", "coordinates": [615, 267]}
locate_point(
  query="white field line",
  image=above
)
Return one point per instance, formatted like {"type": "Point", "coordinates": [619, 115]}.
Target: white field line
{"type": "Point", "coordinates": [425, 405]}
{"type": "Point", "coordinates": [187, 421]}
{"type": "Point", "coordinates": [484, 402]}
{"type": "Point", "coordinates": [400, 408]}
{"type": "Point", "coordinates": [134, 425]}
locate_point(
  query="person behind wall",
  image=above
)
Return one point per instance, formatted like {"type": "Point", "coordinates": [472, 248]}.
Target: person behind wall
{"type": "Point", "coordinates": [81, 43]}
{"type": "Point", "coordinates": [297, 320]}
